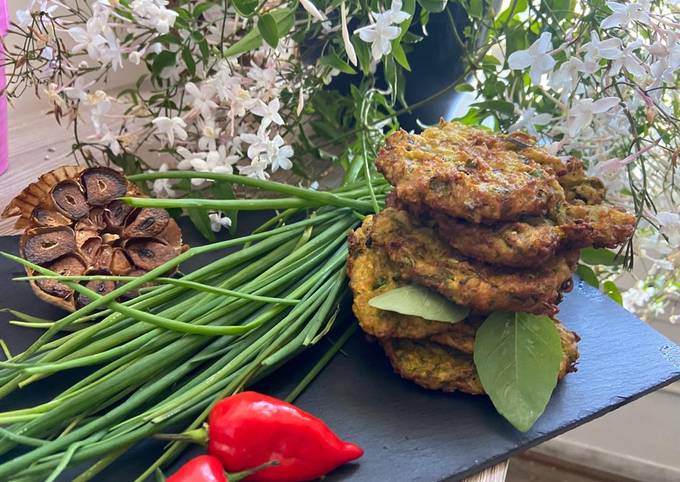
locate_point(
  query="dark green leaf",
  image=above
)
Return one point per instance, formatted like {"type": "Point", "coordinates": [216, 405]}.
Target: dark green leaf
{"type": "Point", "coordinates": [612, 290]}
{"type": "Point", "coordinates": [162, 60]}
{"type": "Point", "coordinates": [595, 256]}
{"type": "Point", "coordinates": [476, 8]}
{"type": "Point", "coordinates": [510, 12]}
{"type": "Point", "coordinates": [188, 58]}
{"type": "Point", "coordinates": [363, 54]}
{"type": "Point", "coordinates": [415, 300]}
{"type": "Point", "coordinates": [267, 27]}
{"type": "Point", "coordinates": [464, 88]}
{"type": "Point", "coordinates": [201, 8]}
{"type": "Point", "coordinates": [335, 61]}
{"type": "Point", "coordinates": [587, 274]}
{"type": "Point", "coordinates": [501, 106]}
{"type": "Point", "coordinates": [205, 50]}
{"type": "Point", "coordinates": [199, 218]}
{"type": "Point", "coordinates": [284, 22]}
{"type": "Point", "coordinates": [518, 356]}
{"type": "Point", "coordinates": [400, 56]}
{"type": "Point", "coordinates": [433, 5]}
{"type": "Point", "coordinates": [245, 7]}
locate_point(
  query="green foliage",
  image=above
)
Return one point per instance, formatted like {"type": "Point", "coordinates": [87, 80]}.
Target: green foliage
{"type": "Point", "coordinates": [415, 300]}
{"type": "Point", "coordinates": [518, 356]}
{"type": "Point", "coordinates": [266, 24]}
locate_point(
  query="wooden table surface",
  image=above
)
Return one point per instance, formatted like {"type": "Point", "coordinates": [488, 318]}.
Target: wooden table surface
{"type": "Point", "coordinates": [38, 144]}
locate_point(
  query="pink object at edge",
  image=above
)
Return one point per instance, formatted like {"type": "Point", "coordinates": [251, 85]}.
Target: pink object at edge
{"type": "Point", "coordinates": [4, 154]}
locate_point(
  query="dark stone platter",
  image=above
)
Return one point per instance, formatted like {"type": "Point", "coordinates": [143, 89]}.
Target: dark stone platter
{"type": "Point", "coordinates": [410, 433]}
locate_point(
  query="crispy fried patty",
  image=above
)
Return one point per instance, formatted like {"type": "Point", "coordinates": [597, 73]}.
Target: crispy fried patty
{"type": "Point", "coordinates": [371, 273]}
{"type": "Point", "coordinates": [437, 367]}
{"type": "Point", "coordinates": [529, 242]}
{"type": "Point", "coordinates": [470, 173]}
{"type": "Point", "coordinates": [422, 258]}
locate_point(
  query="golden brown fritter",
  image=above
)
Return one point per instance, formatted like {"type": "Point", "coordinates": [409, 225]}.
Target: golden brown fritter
{"type": "Point", "coordinates": [579, 187]}
{"type": "Point", "coordinates": [424, 259]}
{"type": "Point", "coordinates": [468, 173]}
{"type": "Point", "coordinates": [514, 244]}
{"type": "Point", "coordinates": [438, 367]}
{"type": "Point", "coordinates": [371, 273]}
{"type": "Point", "coordinates": [529, 242]}
{"type": "Point", "coordinates": [433, 366]}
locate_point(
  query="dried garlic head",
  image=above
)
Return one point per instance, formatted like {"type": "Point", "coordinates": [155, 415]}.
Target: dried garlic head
{"type": "Point", "coordinates": [74, 225]}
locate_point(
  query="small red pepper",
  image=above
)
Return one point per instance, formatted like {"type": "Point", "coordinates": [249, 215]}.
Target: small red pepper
{"type": "Point", "coordinates": [249, 429]}
{"type": "Point", "coordinates": [206, 468]}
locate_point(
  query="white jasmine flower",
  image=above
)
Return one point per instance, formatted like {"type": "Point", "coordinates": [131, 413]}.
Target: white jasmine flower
{"type": "Point", "coordinates": [349, 48]}
{"type": "Point", "coordinates": [268, 112]}
{"type": "Point", "coordinates": [100, 106]}
{"type": "Point", "coordinates": [187, 158]}
{"type": "Point", "coordinates": [136, 56]}
{"type": "Point", "coordinates": [279, 154]}
{"type": "Point", "coordinates": [566, 76]}
{"type": "Point", "coordinates": [396, 14]}
{"type": "Point", "coordinates": [223, 163]}
{"type": "Point", "coordinates": [379, 34]}
{"type": "Point", "coordinates": [258, 143]}
{"type": "Point", "coordinates": [628, 61]}
{"type": "Point", "coordinates": [110, 140]}
{"type": "Point", "coordinates": [201, 98]}
{"type": "Point", "coordinates": [312, 10]}
{"type": "Point", "coordinates": [536, 57]}
{"type": "Point", "coordinates": [529, 119]}
{"type": "Point", "coordinates": [209, 134]}
{"type": "Point", "coordinates": [255, 169]}
{"type": "Point", "coordinates": [219, 221]}
{"type": "Point", "coordinates": [625, 13]}
{"type": "Point", "coordinates": [171, 127]}
{"type": "Point", "coordinates": [582, 111]}
{"type": "Point", "coordinates": [163, 187]}
{"type": "Point", "coordinates": [78, 90]}
{"type": "Point", "coordinates": [598, 49]}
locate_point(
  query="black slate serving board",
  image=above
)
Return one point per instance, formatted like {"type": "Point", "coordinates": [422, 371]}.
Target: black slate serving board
{"type": "Point", "coordinates": [410, 433]}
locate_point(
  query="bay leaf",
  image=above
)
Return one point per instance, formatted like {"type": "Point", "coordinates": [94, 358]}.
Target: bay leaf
{"type": "Point", "coordinates": [416, 300]}
{"type": "Point", "coordinates": [517, 356]}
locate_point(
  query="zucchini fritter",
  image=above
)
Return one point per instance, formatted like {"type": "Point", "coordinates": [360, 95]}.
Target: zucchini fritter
{"type": "Point", "coordinates": [469, 173]}
{"type": "Point", "coordinates": [371, 273]}
{"type": "Point", "coordinates": [529, 242]}
{"type": "Point", "coordinates": [438, 367]}
{"type": "Point", "coordinates": [424, 259]}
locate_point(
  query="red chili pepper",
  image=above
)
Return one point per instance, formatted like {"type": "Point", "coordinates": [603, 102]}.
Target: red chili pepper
{"type": "Point", "coordinates": [204, 468]}
{"type": "Point", "coordinates": [249, 429]}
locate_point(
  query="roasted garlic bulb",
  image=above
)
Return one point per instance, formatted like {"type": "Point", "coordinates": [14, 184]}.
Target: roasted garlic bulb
{"type": "Point", "coordinates": [74, 225]}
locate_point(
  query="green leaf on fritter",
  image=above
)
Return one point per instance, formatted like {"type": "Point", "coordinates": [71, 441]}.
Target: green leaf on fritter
{"type": "Point", "coordinates": [587, 274]}
{"type": "Point", "coordinates": [518, 356]}
{"type": "Point", "coordinates": [416, 300]}
{"type": "Point", "coordinates": [595, 256]}
{"type": "Point", "coordinates": [610, 288]}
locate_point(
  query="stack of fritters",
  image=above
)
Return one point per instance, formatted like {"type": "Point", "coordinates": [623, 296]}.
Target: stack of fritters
{"type": "Point", "coordinates": [490, 222]}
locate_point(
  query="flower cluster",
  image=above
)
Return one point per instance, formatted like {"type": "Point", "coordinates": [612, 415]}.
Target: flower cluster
{"type": "Point", "coordinates": [607, 91]}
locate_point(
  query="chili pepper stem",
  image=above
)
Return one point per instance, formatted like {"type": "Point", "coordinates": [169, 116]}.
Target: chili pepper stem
{"type": "Point", "coordinates": [198, 436]}
{"type": "Point", "coordinates": [236, 476]}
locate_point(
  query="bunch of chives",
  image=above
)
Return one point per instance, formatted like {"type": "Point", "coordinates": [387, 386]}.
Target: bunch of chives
{"type": "Point", "coordinates": [160, 360]}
